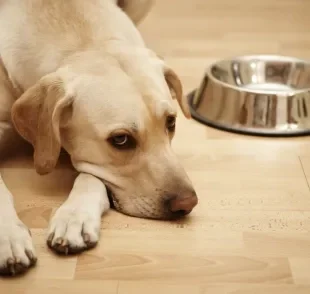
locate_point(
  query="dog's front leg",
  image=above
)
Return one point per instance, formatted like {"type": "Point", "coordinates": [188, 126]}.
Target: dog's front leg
{"type": "Point", "coordinates": [17, 253]}
{"type": "Point", "coordinates": [76, 224]}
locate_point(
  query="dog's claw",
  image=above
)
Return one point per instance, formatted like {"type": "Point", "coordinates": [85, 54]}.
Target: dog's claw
{"type": "Point", "coordinates": [88, 242]}
{"type": "Point", "coordinates": [32, 258]}
{"type": "Point", "coordinates": [15, 266]}
{"type": "Point", "coordinates": [86, 238]}
{"type": "Point", "coordinates": [59, 241]}
{"type": "Point", "coordinates": [10, 266]}
{"type": "Point", "coordinates": [50, 238]}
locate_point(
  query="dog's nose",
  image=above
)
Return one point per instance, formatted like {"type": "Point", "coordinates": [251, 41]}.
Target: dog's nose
{"type": "Point", "coordinates": [183, 204]}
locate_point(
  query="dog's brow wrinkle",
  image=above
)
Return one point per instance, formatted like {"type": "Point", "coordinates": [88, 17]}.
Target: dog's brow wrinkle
{"type": "Point", "coordinates": [134, 128]}
{"type": "Point", "coordinates": [164, 108]}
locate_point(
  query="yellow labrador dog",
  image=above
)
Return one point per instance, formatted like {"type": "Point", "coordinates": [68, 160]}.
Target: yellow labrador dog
{"type": "Point", "coordinates": [76, 75]}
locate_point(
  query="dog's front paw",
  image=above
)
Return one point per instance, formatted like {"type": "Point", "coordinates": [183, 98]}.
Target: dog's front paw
{"type": "Point", "coordinates": [17, 253]}
{"type": "Point", "coordinates": [72, 231]}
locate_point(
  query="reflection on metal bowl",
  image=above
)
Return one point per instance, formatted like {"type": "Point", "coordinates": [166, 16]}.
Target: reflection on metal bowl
{"type": "Point", "coordinates": [258, 95]}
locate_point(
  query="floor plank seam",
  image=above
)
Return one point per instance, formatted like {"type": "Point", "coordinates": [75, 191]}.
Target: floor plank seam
{"type": "Point", "coordinates": [303, 170]}
{"type": "Point", "coordinates": [117, 287]}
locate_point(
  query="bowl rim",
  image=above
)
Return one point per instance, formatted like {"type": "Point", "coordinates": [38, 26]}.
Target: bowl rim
{"type": "Point", "coordinates": [271, 57]}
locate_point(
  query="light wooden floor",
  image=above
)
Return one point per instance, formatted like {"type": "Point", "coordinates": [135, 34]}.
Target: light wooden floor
{"type": "Point", "coordinates": [250, 233]}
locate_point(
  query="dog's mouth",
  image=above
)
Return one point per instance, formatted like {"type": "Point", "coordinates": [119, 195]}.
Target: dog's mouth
{"type": "Point", "coordinates": [114, 204]}
{"type": "Point", "coordinates": [112, 199]}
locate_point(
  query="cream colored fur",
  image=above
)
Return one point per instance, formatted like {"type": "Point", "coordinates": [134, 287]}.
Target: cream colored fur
{"type": "Point", "coordinates": [76, 74]}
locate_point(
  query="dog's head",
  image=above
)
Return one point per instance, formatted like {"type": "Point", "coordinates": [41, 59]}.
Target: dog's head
{"type": "Point", "coordinates": [116, 120]}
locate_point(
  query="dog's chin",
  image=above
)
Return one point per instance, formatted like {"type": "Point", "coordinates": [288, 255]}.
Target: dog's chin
{"type": "Point", "coordinates": [165, 216]}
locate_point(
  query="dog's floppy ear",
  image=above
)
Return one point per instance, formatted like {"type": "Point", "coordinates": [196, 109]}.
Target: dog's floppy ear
{"type": "Point", "coordinates": [136, 9]}
{"type": "Point", "coordinates": [37, 116]}
{"type": "Point", "coordinates": [174, 83]}
{"type": "Point", "coordinates": [176, 88]}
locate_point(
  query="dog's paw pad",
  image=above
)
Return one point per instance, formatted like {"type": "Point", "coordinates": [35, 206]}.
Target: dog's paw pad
{"type": "Point", "coordinates": [73, 232]}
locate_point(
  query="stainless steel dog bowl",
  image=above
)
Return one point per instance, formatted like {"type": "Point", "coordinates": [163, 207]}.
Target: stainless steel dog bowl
{"type": "Point", "coordinates": [258, 95]}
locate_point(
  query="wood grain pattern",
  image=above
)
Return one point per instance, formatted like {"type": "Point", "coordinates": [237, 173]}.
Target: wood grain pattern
{"type": "Point", "coordinates": [251, 230]}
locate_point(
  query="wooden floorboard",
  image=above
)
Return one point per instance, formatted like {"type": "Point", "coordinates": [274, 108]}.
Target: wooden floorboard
{"type": "Point", "coordinates": [250, 232]}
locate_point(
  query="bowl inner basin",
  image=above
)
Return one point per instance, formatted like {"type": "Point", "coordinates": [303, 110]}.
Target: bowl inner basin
{"type": "Point", "coordinates": [264, 74]}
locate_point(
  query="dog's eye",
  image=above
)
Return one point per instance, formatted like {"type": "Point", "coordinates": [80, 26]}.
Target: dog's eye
{"type": "Point", "coordinates": [122, 141]}
{"type": "Point", "coordinates": [170, 123]}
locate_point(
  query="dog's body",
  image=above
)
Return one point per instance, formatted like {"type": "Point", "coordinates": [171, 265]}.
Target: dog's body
{"type": "Point", "coordinates": [76, 74]}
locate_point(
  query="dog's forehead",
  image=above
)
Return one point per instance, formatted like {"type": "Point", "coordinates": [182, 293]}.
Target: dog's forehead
{"type": "Point", "coordinates": [157, 97]}
{"type": "Point", "coordinates": [116, 103]}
